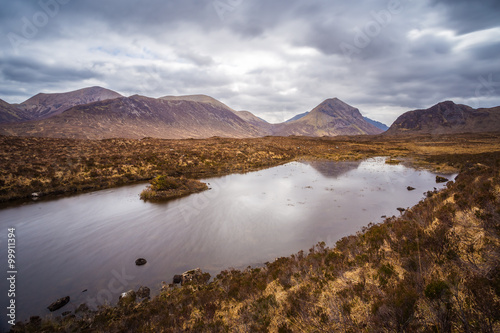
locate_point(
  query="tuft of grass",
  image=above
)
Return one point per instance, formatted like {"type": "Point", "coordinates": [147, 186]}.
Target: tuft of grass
{"type": "Point", "coordinates": [165, 188]}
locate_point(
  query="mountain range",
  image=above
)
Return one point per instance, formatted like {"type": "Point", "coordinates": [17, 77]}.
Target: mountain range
{"type": "Point", "coordinates": [447, 118]}
{"type": "Point", "coordinates": [99, 113]}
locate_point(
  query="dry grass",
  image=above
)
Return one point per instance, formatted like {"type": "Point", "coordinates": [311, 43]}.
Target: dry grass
{"type": "Point", "coordinates": [436, 268]}
{"type": "Point", "coordinates": [64, 166]}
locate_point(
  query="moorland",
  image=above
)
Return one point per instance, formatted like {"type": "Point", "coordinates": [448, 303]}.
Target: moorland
{"type": "Point", "coordinates": [435, 268]}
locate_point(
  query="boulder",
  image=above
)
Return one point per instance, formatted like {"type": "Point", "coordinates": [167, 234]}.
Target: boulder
{"type": "Point", "coordinates": [195, 276]}
{"type": "Point", "coordinates": [143, 292]}
{"type": "Point", "coordinates": [141, 261]}
{"type": "Point", "coordinates": [409, 188]}
{"type": "Point", "coordinates": [127, 297]}
{"type": "Point", "coordinates": [58, 304]}
{"type": "Point", "coordinates": [177, 279]}
{"type": "Point", "coordinates": [440, 179]}
{"type": "Point", "coordinates": [401, 210]}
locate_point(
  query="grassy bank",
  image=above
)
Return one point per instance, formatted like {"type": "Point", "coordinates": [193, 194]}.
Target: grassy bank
{"type": "Point", "coordinates": [436, 268]}
{"type": "Point", "coordinates": [50, 167]}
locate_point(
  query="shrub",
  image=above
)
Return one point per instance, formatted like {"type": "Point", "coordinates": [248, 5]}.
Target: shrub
{"type": "Point", "coordinates": [437, 289]}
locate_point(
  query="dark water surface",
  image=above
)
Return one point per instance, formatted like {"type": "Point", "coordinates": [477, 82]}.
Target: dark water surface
{"type": "Point", "coordinates": [90, 241]}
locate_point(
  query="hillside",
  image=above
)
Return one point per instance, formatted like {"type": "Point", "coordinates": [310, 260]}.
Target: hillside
{"type": "Point", "coordinates": [447, 118]}
{"type": "Point", "coordinates": [138, 117]}
{"type": "Point", "coordinates": [297, 117]}
{"type": "Point", "coordinates": [332, 117]}
{"type": "Point", "coordinates": [10, 113]}
{"type": "Point", "coordinates": [43, 106]}
{"type": "Point", "coordinates": [377, 124]}
{"type": "Point", "coordinates": [256, 121]}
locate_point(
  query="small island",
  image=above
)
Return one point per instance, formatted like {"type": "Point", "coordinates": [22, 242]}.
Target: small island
{"type": "Point", "coordinates": [165, 188]}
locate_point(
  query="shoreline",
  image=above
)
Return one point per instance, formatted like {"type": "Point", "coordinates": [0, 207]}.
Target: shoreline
{"type": "Point", "coordinates": [396, 269]}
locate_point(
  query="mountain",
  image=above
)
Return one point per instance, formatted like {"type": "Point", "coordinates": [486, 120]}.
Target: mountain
{"type": "Point", "coordinates": [377, 124]}
{"type": "Point", "coordinates": [139, 117]}
{"type": "Point", "coordinates": [330, 118]}
{"type": "Point", "coordinates": [43, 106]}
{"type": "Point", "coordinates": [447, 118]}
{"type": "Point", "coordinates": [260, 123]}
{"type": "Point", "coordinates": [98, 113]}
{"type": "Point", "coordinates": [199, 99]}
{"type": "Point", "coordinates": [10, 113]}
{"type": "Point", "coordinates": [297, 117]}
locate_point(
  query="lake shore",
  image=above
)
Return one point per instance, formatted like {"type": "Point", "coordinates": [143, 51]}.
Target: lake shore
{"type": "Point", "coordinates": [399, 274]}
{"type": "Point", "coordinates": [36, 168]}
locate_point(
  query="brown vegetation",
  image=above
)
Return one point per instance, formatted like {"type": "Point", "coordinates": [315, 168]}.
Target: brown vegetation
{"type": "Point", "coordinates": [165, 188]}
{"type": "Point", "coordinates": [436, 268]}
{"type": "Point", "coordinates": [61, 166]}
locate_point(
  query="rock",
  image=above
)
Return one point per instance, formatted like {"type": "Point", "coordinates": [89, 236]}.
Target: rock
{"type": "Point", "coordinates": [195, 276]}
{"type": "Point", "coordinates": [383, 217]}
{"type": "Point", "coordinates": [409, 188]}
{"type": "Point", "coordinates": [58, 304]}
{"type": "Point", "coordinates": [440, 179]}
{"type": "Point", "coordinates": [84, 290]}
{"type": "Point", "coordinates": [143, 292]}
{"type": "Point", "coordinates": [177, 279]}
{"type": "Point", "coordinates": [127, 297]}
{"type": "Point", "coordinates": [141, 261]}
{"type": "Point", "coordinates": [401, 210]}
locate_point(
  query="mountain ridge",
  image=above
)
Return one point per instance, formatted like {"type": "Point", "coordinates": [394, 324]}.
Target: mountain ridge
{"type": "Point", "coordinates": [46, 105]}
{"type": "Point", "coordinates": [332, 117]}
{"type": "Point", "coordinates": [446, 118]}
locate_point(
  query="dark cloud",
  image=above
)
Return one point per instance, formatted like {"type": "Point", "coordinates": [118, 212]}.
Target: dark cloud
{"type": "Point", "coordinates": [465, 16]}
{"type": "Point", "coordinates": [275, 58]}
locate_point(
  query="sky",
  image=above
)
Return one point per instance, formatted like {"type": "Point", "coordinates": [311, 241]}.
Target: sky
{"type": "Point", "coordinates": [275, 58]}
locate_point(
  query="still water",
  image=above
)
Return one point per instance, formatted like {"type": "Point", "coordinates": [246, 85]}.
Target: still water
{"type": "Point", "coordinates": [90, 241]}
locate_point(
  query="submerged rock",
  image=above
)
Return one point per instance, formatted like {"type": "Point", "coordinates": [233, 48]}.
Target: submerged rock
{"type": "Point", "coordinates": [58, 304]}
{"type": "Point", "coordinates": [141, 261]}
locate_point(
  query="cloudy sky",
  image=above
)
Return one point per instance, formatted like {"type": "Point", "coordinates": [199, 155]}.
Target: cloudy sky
{"type": "Point", "coordinates": [275, 58]}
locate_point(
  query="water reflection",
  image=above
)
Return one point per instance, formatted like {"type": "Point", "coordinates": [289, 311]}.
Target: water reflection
{"type": "Point", "coordinates": [91, 241]}
{"type": "Point", "coordinates": [333, 170]}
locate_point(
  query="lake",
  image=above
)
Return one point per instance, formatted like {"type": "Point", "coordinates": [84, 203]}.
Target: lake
{"type": "Point", "coordinates": [85, 246]}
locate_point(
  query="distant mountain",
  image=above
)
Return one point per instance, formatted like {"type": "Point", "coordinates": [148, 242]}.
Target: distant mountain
{"type": "Point", "coordinates": [138, 117]}
{"type": "Point", "coordinates": [199, 99]}
{"type": "Point", "coordinates": [98, 113]}
{"type": "Point", "coordinates": [330, 118]}
{"type": "Point", "coordinates": [297, 117]}
{"type": "Point", "coordinates": [10, 113]}
{"type": "Point", "coordinates": [447, 118]}
{"type": "Point", "coordinates": [43, 106]}
{"type": "Point", "coordinates": [255, 121]}
{"type": "Point", "coordinates": [377, 124]}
